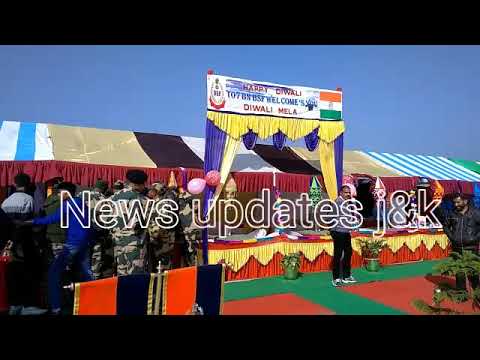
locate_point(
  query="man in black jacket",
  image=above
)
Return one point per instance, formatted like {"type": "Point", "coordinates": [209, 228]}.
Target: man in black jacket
{"type": "Point", "coordinates": [462, 226]}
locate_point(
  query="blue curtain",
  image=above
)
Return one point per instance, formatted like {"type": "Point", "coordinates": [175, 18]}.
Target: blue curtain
{"type": "Point", "coordinates": [214, 147]}
{"type": "Point", "coordinates": [311, 140]}
{"type": "Point", "coordinates": [338, 149]}
{"type": "Point", "coordinates": [279, 139]}
{"type": "Point", "coordinates": [250, 139]}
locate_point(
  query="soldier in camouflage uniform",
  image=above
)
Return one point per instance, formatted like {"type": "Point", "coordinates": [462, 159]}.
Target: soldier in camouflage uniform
{"type": "Point", "coordinates": [189, 234]}
{"type": "Point", "coordinates": [161, 240]}
{"type": "Point", "coordinates": [118, 186]}
{"type": "Point", "coordinates": [102, 250]}
{"type": "Point", "coordinates": [55, 234]}
{"type": "Point", "coordinates": [129, 239]}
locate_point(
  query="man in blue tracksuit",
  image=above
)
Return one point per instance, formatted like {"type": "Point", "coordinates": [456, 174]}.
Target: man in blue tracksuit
{"type": "Point", "coordinates": [76, 250]}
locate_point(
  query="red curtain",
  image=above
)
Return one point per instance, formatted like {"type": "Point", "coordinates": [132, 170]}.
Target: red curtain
{"type": "Point", "coordinates": [253, 181]}
{"type": "Point", "coordinates": [450, 186]}
{"type": "Point", "coordinates": [87, 174]}
{"type": "Point", "coordinates": [466, 187]}
{"type": "Point", "coordinates": [294, 182]}
{"type": "Point", "coordinates": [256, 181]}
{"type": "Point", "coordinates": [395, 183]}
{"type": "Point", "coordinates": [82, 174]}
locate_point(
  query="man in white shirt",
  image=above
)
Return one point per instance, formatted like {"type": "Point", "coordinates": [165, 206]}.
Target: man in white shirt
{"type": "Point", "coordinates": [19, 205]}
{"type": "Point", "coordinates": [23, 270]}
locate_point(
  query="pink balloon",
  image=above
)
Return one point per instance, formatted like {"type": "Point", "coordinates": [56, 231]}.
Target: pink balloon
{"type": "Point", "coordinates": [196, 186]}
{"type": "Point", "coordinates": [212, 178]}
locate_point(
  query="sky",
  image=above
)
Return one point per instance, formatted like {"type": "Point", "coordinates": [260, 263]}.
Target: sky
{"type": "Point", "coordinates": [405, 99]}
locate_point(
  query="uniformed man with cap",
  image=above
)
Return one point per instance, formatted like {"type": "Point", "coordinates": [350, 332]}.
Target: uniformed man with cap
{"type": "Point", "coordinates": [129, 239]}
{"type": "Point", "coordinates": [189, 233]}
{"type": "Point", "coordinates": [161, 240]}
{"type": "Point", "coordinates": [117, 186]}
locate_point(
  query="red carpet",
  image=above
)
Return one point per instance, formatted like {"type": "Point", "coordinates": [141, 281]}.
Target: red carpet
{"type": "Point", "coordinates": [399, 293]}
{"type": "Point", "coordinates": [282, 304]}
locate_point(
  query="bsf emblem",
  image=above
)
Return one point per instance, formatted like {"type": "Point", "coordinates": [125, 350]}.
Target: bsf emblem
{"type": "Point", "coordinates": [217, 95]}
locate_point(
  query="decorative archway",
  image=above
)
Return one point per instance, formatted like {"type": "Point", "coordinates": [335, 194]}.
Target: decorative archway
{"type": "Point", "coordinates": [245, 110]}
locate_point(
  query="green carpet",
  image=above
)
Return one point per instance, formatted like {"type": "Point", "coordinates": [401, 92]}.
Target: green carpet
{"type": "Point", "coordinates": [317, 288]}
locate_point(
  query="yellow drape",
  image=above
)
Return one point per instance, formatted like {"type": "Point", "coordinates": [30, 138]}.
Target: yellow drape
{"type": "Point", "coordinates": [237, 125]}
{"type": "Point", "coordinates": [329, 130]}
{"type": "Point", "coordinates": [229, 152]}
{"type": "Point", "coordinates": [326, 153]}
{"type": "Point", "coordinates": [237, 258]}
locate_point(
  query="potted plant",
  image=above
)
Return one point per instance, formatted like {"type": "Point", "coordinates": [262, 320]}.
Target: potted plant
{"type": "Point", "coordinates": [291, 264]}
{"type": "Point", "coordinates": [467, 264]}
{"type": "Point", "coordinates": [371, 252]}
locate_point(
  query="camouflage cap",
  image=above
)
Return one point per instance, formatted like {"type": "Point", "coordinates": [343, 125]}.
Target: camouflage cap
{"type": "Point", "coordinates": [160, 187]}
{"type": "Point", "coordinates": [102, 185]}
{"type": "Point", "coordinates": [118, 185]}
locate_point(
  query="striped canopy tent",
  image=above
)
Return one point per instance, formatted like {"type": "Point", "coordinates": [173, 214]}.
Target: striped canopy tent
{"type": "Point", "coordinates": [400, 171]}
{"type": "Point", "coordinates": [354, 162]}
{"type": "Point", "coordinates": [82, 155]}
{"type": "Point", "coordinates": [434, 167]}
{"type": "Point", "coordinates": [470, 165]}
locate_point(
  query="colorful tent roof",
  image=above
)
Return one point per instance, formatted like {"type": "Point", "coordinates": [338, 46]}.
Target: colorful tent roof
{"type": "Point", "coordinates": [435, 167]}
{"type": "Point", "coordinates": [470, 165]}
{"type": "Point", "coordinates": [25, 141]}
{"type": "Point", "coordinates": [39, 141]}
{"type": "Point", "coordinates": [354, 162]}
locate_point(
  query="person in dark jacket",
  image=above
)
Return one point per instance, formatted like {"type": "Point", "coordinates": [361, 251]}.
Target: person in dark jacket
{"type": "Point", "coordinates": [462, 226]}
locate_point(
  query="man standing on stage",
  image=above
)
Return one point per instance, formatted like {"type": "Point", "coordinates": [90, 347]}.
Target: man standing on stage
{"type": "Point", "coordinates": [462, 226]}
{"type": "Point", "coordinates": [342, 243]}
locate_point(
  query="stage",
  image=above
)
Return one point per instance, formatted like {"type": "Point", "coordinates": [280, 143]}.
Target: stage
{"type": "Point", "coordinates": [390, 291]}
{"type": "Point", "coordinates": [258, 259]}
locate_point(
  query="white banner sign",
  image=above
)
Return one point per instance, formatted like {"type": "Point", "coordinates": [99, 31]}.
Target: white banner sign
{"type": "Point", "coordinates": [240, 96]}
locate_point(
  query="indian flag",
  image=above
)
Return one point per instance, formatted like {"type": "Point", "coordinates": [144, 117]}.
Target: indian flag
{"type": "Point", "coordinates": [330, 105]}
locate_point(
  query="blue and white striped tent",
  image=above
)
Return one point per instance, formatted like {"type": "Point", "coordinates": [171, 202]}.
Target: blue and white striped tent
{"type": "Point", "coordinates": [25, 141]}
{"type": "Point", "coordinates": [434, 167]}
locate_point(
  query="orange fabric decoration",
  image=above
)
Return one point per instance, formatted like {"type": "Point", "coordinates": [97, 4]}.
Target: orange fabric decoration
{"type": "Point", "coordinates": [438, 190]}
{"type": "Point", "coordinates": [179, 291]}
{"type": "Point", "coordinates": [172, 182]}
{"type": "Point", "coordinates": [96, 297]}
